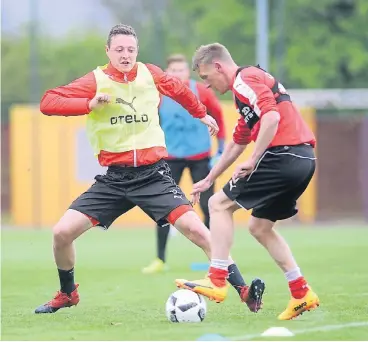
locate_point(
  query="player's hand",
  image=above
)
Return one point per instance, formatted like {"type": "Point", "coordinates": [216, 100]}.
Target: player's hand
{"type": "Point", "coordinates": [243, 169]}
{"type": "Point", "coordinates": [199, 187]}
{"type": "Point", "coordinates": [99, 100]}
{"type": "Point", "coordinates": [211, 123]}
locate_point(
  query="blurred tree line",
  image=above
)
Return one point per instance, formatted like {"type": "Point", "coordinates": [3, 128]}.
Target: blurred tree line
{"type": "Point", "coordinates": [313, 44]}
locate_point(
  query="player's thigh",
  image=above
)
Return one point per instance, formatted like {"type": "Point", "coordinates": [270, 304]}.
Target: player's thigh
{"type": "Point", "coordinates": [260, 188]}
{"type": "Point", "coordinates": [104, 201]}
{"type": "Point", "coordinates": [158, 195]}
{"type": "Point", "coordinates": [177, 167]}
{"type": "Point", "coordinates": [284, 205]}
{"type": "Point", "coordinates": [275, 174]}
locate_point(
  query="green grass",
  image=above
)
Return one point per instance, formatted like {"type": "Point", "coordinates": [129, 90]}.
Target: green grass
{"type": "Point", "coordinates": [119, 303]}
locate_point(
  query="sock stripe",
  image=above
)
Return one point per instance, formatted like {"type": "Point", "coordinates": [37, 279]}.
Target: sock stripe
{"type": "Point", "coordinates": [221, 264]}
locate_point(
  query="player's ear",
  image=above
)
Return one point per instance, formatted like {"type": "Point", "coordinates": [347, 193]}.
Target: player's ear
{"type": "Point", "coordinates": [218, 67]}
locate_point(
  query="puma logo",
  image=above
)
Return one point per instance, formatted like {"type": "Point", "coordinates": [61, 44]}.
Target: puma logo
{"type": "Point", "coordinates": [233, 184]}
{"type": "Point", "coordinates": [129, 104]}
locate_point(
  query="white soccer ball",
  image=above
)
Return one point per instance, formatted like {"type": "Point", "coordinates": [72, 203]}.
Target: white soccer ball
{"type": "Point", "coordinates": [185, 306]}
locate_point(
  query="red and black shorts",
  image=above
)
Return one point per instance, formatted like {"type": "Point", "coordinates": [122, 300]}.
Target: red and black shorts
{"type": "Point", "coordinates": [150, 187]}
{"type": "Point", "coordinates": [280, 177]}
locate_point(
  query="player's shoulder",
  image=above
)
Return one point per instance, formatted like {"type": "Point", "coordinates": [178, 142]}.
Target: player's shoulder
{"type": "Point", "coordinates": [251, 72]}
{"type": "Point", "coordinates": [87, 80]}
{"type": "Point", "coordinates": [154, 68]}
{"type": "Point", "coordinates": [252, 75]}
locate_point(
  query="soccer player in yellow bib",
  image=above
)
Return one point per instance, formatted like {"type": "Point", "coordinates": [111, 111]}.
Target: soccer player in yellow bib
{"type": "Point", "coordinates": [121, 102]}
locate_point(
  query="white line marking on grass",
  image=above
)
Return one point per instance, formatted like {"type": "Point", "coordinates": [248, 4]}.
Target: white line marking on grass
{"type": "Point", "coordinates": [307, 330]}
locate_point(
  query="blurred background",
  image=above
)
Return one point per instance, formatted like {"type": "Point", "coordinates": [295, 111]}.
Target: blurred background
{"type": "Point", "coordinates": [318, 49]}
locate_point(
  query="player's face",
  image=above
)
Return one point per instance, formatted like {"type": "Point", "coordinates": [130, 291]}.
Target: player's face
{"type": "Point", "coordinates": [179, 70]}
{"type": "Point", "coordinates": [213, 77]}
{"type": "Point", "coordinates": [122, 52]}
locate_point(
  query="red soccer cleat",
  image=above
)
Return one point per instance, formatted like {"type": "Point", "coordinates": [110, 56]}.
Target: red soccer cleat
{"type": "Point", "coordinates": [61, 300]}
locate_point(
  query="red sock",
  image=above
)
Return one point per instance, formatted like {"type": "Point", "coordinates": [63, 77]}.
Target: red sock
{"type": "Point", "coordinates": [218, 276]}
{"type": "Point", "coordinates": [298, 287]}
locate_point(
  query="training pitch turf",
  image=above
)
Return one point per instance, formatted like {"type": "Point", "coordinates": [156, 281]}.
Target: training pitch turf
{"type": "Point", "coordinates": [118, 302]}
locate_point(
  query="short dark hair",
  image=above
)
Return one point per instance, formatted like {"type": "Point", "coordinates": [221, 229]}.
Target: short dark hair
{"type": "Point", "coordinates": [121, 29]}
{"type": "Point", "coordinates": [176, 58]}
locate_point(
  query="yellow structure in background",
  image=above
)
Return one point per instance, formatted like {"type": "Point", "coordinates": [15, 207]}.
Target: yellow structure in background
{"type": "Point", "coordinates": [44, 166]}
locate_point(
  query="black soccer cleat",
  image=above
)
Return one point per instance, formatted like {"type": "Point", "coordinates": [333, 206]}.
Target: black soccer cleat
{"type": "Point", "coordinates": [252, 295]}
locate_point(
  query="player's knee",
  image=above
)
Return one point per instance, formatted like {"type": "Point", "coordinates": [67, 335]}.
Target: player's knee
{"type": "Point", "coordinates": [197, 230]}
{"type": "Point", "coordinates": [258, 228]}
{"type": "Point", "coordinates": [254, 229]}
{"type": "Point", "coordinates": [214, 204]}
{"type": "Point", "coordinates": [61, 235]}
{"type": "Point", "coordinates": [194, 229]}
{"type": "Point", "coordinates": [219, 202]}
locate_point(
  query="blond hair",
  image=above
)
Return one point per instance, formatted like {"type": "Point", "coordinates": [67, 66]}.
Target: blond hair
{"type": "Point", "coordinates": [206, 54]}
{"type": "Point", "coordinates": [176, 58]}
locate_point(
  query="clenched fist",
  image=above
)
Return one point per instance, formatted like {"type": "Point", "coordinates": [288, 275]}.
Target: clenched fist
{"type": "Point", "coordinates": [99, 100]}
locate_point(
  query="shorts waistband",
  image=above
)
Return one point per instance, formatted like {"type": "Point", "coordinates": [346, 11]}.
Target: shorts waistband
{"type": "Point", "coordinates": [123, 168]}
{"type": "Point", "coordinates": [287, 147]}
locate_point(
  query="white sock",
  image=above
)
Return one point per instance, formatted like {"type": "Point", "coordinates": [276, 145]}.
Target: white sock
{"type": "Point", "coordinates": [293, 274]}
{"type": "Point", "coordinates": [221, 264]}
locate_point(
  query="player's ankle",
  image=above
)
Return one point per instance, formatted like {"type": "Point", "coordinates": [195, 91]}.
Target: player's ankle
{"type": "Point", "coordinates": [235, 278]}
{"type": "Point", "coordinates": [218, 276]}
{"type": "Point", "coordinates": [298, 287]}
{"type": "Point", "coordinates": [293, 274]}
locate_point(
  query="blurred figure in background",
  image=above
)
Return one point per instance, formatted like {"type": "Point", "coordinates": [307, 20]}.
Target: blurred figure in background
{"type": "Point", "coordinates": [188, 144]}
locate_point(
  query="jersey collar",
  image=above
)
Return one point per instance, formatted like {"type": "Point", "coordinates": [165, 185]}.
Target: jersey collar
{"type": "Point", "coordinates": [122, 76]}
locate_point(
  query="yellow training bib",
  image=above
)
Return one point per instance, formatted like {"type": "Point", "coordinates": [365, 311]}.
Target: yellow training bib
{"type": "Point", "coordinates": [130, 121]}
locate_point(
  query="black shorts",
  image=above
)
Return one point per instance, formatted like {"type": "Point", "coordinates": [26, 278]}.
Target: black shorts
{"type": "Point", "coordinates": [150, 187]}
{"type": "Point", "coordinates": [280, 177]}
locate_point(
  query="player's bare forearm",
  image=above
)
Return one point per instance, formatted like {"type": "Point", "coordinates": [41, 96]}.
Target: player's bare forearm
{"type": "Point", "coordinates": [268, 129]}
{"type": "Point", "coordinates": [231, 153]}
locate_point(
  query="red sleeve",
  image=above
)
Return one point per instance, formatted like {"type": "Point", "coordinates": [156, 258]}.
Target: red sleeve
{"type": "Point", "coordinates": [241, 133]}
{"type": "Point", "coordinates": [71, 99]}
{"type": "Point", "coordinates": [178, 91]}
{"type": "Point", "coordinates": [209, 99]}
{"type": "Point", "coordinates": [250, 87]}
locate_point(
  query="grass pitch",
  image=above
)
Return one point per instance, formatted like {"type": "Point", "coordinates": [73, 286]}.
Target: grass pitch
{"type": "Point", "coordinates": [118, 302]}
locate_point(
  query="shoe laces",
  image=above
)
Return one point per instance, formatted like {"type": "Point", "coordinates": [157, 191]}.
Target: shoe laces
{"type": "Point", "coordinates": [59, 296]}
